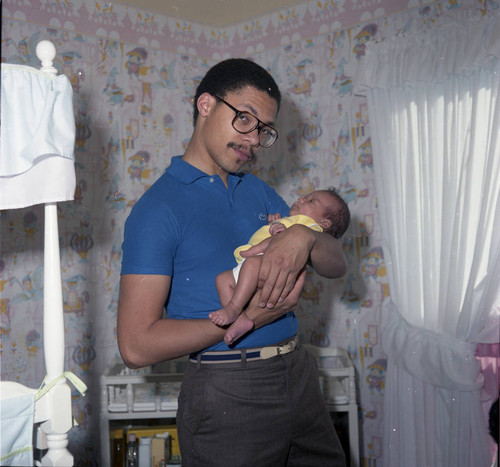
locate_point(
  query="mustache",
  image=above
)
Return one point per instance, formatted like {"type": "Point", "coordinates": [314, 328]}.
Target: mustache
{"type": "Point", "coordinates": [240, 146]}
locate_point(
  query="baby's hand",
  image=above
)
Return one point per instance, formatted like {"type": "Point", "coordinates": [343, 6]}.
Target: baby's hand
{"type": "Point", "coordinates": [276, 227]}
{"type": "Point", "coordinates": [273, 217]}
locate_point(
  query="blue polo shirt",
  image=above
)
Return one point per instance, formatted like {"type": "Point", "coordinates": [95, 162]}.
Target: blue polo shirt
{"type": "Point", "coordinates": [187, 226]}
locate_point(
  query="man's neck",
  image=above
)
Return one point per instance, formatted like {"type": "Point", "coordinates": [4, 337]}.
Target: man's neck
{"type": "Point", "coordinates": [205, 164]}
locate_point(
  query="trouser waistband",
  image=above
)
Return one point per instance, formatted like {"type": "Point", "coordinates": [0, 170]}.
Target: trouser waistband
{"type": "Point", "coordinates": [242, 355]}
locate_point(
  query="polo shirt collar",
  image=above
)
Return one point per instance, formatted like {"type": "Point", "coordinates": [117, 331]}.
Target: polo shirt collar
{"type": "Point", "coordinates": [187, 174]}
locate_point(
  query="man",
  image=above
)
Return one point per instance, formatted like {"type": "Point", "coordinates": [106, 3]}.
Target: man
{"type": "Point", "coordinates": [259, 402]}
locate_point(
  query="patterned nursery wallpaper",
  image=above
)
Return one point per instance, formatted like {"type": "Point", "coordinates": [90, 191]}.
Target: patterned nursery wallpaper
{"type": "Point", "coordinates": [133, 75]}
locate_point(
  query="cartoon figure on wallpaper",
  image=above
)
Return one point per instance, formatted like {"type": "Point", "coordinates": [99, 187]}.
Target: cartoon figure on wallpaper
{"type": "Point", "coordinates": [320, 337]}
{"type": "Point", "coordinates": [138, 165]}
{"type": "Point", "coordinates": [115, 199]}
{"type": "Point", "coordinates": [147, 99]}
{"type": "Point", "coordinates": [311, 131]}
{"type": "Point", "coordinates": [179, 236]}
{"type": "Point", "coordinates": [4, 328]}
{"type": "Point", "coordinates": [74, 298]}
{"type": "Point", "coordinates": [376, 376]}
{"type": "Point", "coordinates": [302, 81]}
{"type": "Point", "coordinates": [342, 83]}
{"type": "Point", "coordinates": [365, 159]}
{"type": "Point", "coordinates": [135, 63]}
{"type": "Point", "coordinates": [349, 192]}
{"type": "Point", "coordinates": [168, 124]}
{"type": "Point", "coordinates": [75, 77]}
{"type": "Point", "coordinates": [83, 124]}
{"type": "Point", "coordinates": [81, 241]}
{"type": "Point", "coordinates": [303, 181]}
{"type": "Point", "coordinates": [115, 94]}
{"type": "Point", "coordinates": [372, 264]}
{"type": "Point", "coordinates": [337, 39]}
{"type": "Point", "coordinates": [33, 342]}
{"type": "Point", "coordinates": [312, 290]}
{"type": "Point", "coordinates": [25, 49]}
{"type": "Point", "coordinates": [362, 37]}
{"type": "Point", "coordinates": [190, 83]}
{"type": "Point", "coordinates": [31, 286]}
{"type": "Point", "coordinates": [166, 76]}
{"type": "Point", "coordinates": [292, 139]}
{"type": "Point", "coordinates": [323, 210]}
{"type": "Point", "coordinates": [350, 297]}
{"type": "Point", "coordinates": [84, 353]}
{"type": "Point", "coordinates": [108, 50]}
{"type": "Point", "coordinates": [31, 224]}
{"type": "Point", "coordinates": [112, 266]}
{"type": "Point", "coordinates": [344, 141]}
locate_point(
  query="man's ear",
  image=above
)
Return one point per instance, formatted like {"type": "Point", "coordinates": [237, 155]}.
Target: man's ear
{"type": "Point", "coordinates": [325, 224]}
{"type": "Point", "coordinates": [205, 101]}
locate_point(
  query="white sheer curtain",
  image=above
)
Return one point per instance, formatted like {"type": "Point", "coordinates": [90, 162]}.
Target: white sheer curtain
{"type": "Point", "coordinates": [435, 120]}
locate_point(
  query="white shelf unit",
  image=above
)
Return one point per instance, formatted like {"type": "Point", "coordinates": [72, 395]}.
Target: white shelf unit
{"type": "Point", "coordinates": [147, 393]}
{"type": "Point", "coordinates": [337, 380]}
{"type": "Point", "coordinates": [151, 393]}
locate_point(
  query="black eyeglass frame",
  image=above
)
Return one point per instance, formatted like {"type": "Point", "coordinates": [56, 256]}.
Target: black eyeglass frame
{"type": "Point", "coordinates": [259, 125]}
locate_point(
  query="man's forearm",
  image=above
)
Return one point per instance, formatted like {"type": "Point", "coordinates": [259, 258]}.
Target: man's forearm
{"type": "Point", "coordinates": [167, 339]}
{"type": "Point", "coordinates": [327, 257]}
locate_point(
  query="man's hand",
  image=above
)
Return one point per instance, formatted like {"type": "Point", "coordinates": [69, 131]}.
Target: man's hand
{"type": "Point", "coordinates": [285, 256]}
{"type": "Point", "coordinates": [262, 316]}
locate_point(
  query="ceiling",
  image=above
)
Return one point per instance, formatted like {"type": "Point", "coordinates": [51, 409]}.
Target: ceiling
{"type": "Point", "coordinates": [216, 13]}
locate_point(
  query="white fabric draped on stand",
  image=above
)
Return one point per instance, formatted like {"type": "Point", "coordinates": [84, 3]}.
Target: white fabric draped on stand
{"type": "Point", "coordinates": [37, 162]}
{"type": "Point", "coordinates": [435, 120]}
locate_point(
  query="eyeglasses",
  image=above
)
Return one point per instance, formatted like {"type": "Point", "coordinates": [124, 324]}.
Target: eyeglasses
{"type": "Point", "coordinates": [245, 122]}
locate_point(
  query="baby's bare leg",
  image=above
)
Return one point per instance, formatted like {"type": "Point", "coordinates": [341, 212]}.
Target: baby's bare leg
{"type": "Point", "coordinates": [224, 282]}
{"type": "Point", "coordinates": [243, 291]}
{"type": "Point", "coordinates": [238, 329]}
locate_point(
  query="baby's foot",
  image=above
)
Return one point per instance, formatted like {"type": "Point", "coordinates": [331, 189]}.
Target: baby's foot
{"type": "Point", "coordinates": [219, 317]}
{"type": "Point", "coordinates": [226, 315]}
{"type": "Point", "coordinates": [238, 329]}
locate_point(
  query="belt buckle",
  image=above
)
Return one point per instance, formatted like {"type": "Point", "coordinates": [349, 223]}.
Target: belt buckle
{"type": "Point", "coordinates": [268, 352]}
{"type": "Point", "coordinates": [286, 348]}
{"type": "Point", "coordinates": [283, 349]}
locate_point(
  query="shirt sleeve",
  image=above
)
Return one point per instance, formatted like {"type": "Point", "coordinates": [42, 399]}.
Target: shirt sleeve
{"type": "Point", "coordinates": [276, 202]}
{"type": "Point", "coordinates": [151, 233]}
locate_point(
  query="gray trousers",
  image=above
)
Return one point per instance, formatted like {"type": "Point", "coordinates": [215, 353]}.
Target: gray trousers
{"type": "Point", "coordinates": [261, 413]}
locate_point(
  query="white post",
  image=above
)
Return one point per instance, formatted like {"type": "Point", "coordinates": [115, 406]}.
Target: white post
{"type": "Point", "coordinates": [53, 318]}
{"type": "Point", "coordinates": [58, 400]}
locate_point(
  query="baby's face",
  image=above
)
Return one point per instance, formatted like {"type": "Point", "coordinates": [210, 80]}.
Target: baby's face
{"type": "Point", "coordinates": [314, 205]}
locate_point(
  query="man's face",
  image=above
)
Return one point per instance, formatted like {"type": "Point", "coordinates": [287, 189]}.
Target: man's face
{"type": "Point", "coordinates": [228, 149]}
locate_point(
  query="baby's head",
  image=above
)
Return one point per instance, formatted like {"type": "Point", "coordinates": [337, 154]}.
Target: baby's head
{"type": "Point", "coordinates": [327, 208]}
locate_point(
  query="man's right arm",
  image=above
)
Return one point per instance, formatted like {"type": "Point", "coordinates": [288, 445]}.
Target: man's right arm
{"type": "Point", "coordinates": [146, 338]}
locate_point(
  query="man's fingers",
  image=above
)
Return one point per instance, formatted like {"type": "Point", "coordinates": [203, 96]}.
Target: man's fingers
{"type": "Point", "coordinates": [267, 289]}
{"type": "Point", "coordinates": [283, 285]}
{"type": "Point", "coordinates": [275, 291]}
{"type": "Point", "coordinates": [256, 249]}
